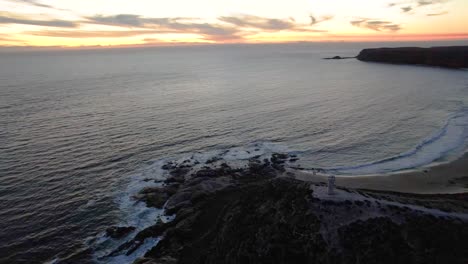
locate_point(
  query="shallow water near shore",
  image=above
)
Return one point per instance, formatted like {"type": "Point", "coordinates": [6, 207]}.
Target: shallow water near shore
{"type": "Point", "coordinates": [82, 130]}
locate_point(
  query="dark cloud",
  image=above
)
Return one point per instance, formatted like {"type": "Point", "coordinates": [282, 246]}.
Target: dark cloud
{"type": "Point", "coordinates": [6, 18]}
{"type": "Point", "coordinates": [376, 25]}
{"type": "Point", "coordinates": [406, 9]}
{"type": "Point", "coordinates": [413, 5]}
{"type": "Point", "coordinates": [249, 21]}
{"type": "Point", "coordinates": [210, 32]}
{"type": "Point", "coordinates": [424, 3]}
{"type": "Point", "coordinates": [32, 2]}
{"type": "Point", "coordinates": [314, 20]}
{"type": "Point", "coordinates": [148, 26]}
{"type": "Point", "coordinates": [118, 20]}
{"type": "Point", "coordinates": [418, 3]}
{"type": "Point", "coordinates": [164, 25]}
{"type": "Point", "coordinates": [229, 28]}
{"type": "Point", "coordinates": [271, 24]}
{"type": "Point", "coordinates": [129, 20]}
{"type": "Point", "coordinates": [123, 33]}
{"type": "Point", "coordinates": [92, 34]}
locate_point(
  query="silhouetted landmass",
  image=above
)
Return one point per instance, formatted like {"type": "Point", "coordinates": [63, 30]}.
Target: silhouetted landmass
{"type": "Point", "coordinates": [338, 58]}
{"type": "Point", "coordinates": [450, 57]}
{"type": "Point", "coordinates": [250, 215]}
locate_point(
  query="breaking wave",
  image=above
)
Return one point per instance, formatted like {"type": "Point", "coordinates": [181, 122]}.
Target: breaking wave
{"type": "Point", "coordinates": [449, 139]}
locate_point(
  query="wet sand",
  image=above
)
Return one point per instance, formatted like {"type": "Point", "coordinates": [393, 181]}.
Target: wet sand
{"type": "Point", "coordinates": [443, 178]}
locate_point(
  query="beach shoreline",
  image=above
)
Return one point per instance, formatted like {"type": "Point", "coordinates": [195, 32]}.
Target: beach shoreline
{"type": "Point", "coordinates": [444, 178]}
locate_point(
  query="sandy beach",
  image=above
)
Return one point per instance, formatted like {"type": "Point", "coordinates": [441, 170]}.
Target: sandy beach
{"type": "Point", "coordinates": [449, 177]}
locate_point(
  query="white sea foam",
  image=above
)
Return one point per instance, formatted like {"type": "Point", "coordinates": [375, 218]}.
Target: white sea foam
{"type": "Point", "coordinates": [53, 261]}
{"type": "Point", "coordinates": [134, 213]}
{"type": "Point", "coordinates": [451, 138]}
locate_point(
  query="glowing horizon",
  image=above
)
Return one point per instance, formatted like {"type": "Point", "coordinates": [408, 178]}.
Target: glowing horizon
{"type": "Point", "coordinates": [68, 23]}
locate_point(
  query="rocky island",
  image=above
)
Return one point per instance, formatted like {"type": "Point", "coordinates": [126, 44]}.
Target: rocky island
{"type": "Point", "coordinates": [260, 213]}
{"type": "Point", "coordinates": [449, 57]}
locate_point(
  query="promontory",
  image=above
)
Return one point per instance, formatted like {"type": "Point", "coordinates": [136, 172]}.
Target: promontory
{"type": "Point", "coordinates": [449, 57]}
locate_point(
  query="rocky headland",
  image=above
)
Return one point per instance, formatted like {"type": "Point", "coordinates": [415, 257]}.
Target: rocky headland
{"type": "Point", "coordinates": [261, 214]}
{"type": "Point", "coordinates": [449, 57]}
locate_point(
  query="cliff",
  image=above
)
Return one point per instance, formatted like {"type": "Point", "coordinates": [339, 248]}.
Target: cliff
{"type": "Point", "coordinates": [450, 57]}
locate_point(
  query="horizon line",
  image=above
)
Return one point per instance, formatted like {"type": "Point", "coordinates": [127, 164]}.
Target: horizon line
{"type": "Point", "coordinates": [12, 48]}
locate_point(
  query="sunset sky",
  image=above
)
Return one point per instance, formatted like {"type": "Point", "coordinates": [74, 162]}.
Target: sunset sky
{"type": "Point", "coordinates": [152, 22]}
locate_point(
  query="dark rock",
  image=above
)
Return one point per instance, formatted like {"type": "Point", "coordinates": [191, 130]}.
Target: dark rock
{"type": "Point", "coordinates": [256, 167]}
{"type": "Point", "coordinates": [359, 203]}
{"type": "Point", "coordinates": [338, 58]}
{"type": "Point", "coordinates": [175, 179]}
{"type": "Point", "coordinates": [152, 231]}
{"type": "Point", "coordinates": [163, 260]}
{"type": "Point", "coordinates": [176, 207]}
{"type": "Point", "coordinates": [265, 223]}
{"type": "Point", "coordinates": [278, 167]}
{"type": "Point", "coordinates": [169, 166]}
{"type": "Point", "coordinates": [278, 158]}
{"type": "Point", "coordinates": [180, 171]}
{"type": "Point", "coordinates": [157, 197]}
{"type": "Point", "coordinates": [450, 57]}
{"type": "Point", "coordinates": [213, 160]}
{"type": "Point", "coordinates": [119, 231]}
{"type": "Point", "coordinates": [179, 200]}
{"type": "Point", "coordinates": [206, 173]}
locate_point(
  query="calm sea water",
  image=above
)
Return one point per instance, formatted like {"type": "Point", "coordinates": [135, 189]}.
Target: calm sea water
{"type": "Point", "coordinates": [77, 126]}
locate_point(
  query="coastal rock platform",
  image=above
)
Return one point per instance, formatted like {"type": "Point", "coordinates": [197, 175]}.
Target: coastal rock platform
{"type": "Point", "coordinates": [260, 214]}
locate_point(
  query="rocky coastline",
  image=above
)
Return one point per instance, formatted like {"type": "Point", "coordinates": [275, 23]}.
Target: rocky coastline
{"type": "Point", "coordinates": [261, 214]}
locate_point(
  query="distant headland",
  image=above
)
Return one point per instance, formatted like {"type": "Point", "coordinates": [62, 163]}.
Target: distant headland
{"type": "Point", "coordinates": [449, 57]}
{"type": "Point", "coordinates": [455, 57]}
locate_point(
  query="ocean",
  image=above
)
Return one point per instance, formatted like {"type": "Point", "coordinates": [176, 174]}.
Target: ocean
{"type": "Point", "coordinates": [81, 130]}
